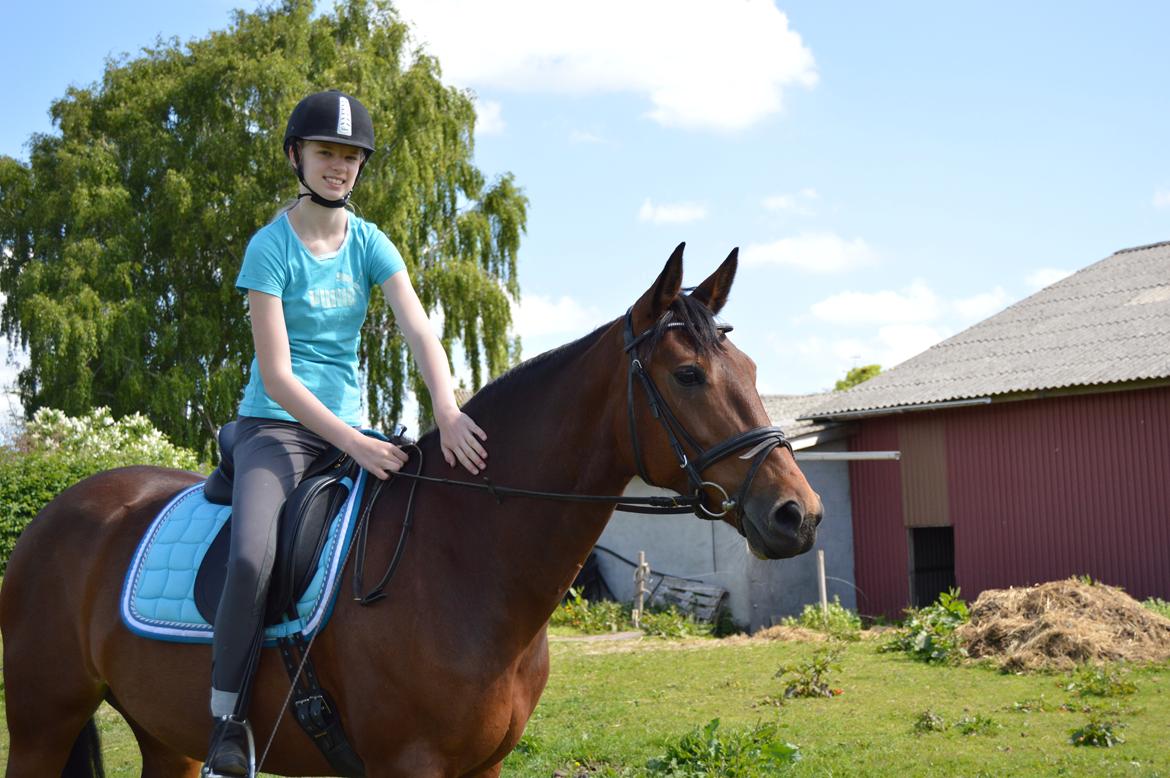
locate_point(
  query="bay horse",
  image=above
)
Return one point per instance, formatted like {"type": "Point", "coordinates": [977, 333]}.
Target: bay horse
{"type": "Point", "coordinates": [439, 678]}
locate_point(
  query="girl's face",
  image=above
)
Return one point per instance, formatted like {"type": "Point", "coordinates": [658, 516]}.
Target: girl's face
{"type": "Point", "coordinates": [330, 168]}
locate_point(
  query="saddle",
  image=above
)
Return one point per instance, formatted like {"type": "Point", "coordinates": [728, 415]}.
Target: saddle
{"type": "Point", "coordinates": [302, 530]}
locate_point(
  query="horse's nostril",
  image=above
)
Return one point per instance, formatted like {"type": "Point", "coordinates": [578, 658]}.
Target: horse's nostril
{"type": "Point", "coordinates": [789, 516]}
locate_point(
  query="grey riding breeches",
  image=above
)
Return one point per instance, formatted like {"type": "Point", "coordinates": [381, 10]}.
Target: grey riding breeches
{"type": "Point", "coordinates": [270, 456]}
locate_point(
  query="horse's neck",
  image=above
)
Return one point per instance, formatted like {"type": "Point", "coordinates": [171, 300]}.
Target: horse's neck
{"type": "Point", "coordinates": [553, 433]}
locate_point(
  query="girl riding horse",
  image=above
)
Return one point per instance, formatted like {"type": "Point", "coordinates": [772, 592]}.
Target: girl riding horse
{"type": "Point", "coordinates": [308, 275]}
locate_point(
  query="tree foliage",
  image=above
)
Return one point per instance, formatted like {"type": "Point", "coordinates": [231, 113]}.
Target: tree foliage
{"type": "Point", "coordinates": [857, 375]}
{"type": "Point", "coordinates": [122, 236]}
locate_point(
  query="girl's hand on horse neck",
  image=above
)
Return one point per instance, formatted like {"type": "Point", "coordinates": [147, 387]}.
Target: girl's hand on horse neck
{"type": "Point", "coordinates": [459, 436]}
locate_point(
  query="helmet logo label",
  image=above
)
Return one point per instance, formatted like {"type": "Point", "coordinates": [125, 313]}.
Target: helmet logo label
{"type": "Point", "coordinates": [344, 120]}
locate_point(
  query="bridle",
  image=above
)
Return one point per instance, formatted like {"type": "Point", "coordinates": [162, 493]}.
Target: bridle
{"type": "Point", "coordinates": [761, 440]}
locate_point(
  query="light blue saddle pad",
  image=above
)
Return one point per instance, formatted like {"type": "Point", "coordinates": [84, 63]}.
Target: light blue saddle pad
{"type": "Point", "coordinates": [158, 595]}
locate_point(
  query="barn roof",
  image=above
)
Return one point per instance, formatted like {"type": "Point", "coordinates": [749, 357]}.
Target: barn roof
{"type": "Point", "coordinates": [1108, 323]}
{"type": "Point", "coordinates": [786, 410]}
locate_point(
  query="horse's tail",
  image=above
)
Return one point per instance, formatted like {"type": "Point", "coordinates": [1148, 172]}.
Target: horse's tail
{"type": "Point", "coordinates": [85, 760]}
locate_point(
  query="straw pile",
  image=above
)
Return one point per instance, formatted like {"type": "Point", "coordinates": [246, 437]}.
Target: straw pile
{"type": "Point", "coordinates": [1058, 625]}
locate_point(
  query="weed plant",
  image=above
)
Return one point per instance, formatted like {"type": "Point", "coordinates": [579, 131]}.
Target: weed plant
{"type": "Point", "coordinates": [1158, 605]}
{"type": "Point", "coordinates": [669, 623]}
{"type": "Point", "coordinates": [1100, 731]}
{"type": "Point", "coordinates": [928, 633]}
{"type": "Point", "coordinates": [603, 616]}
{"type": "Point", "coordinates": [977, 724]}
{"type": "Point", "coordinates": [811, 677]}
{"type": "Point", "coordinates": [593, 618]}
{"type": "Point", "coordinates": [836, 620]}
{"type": "Point", "coordinates": [929, 721]}
{"type": "Point", "coordinates": [1100, 681]}
{"type": "Point", "coordinates": [704, 752]}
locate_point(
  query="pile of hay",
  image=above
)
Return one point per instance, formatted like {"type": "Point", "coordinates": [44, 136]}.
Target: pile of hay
{"type": "Point", "coordinates": [1058, 625]}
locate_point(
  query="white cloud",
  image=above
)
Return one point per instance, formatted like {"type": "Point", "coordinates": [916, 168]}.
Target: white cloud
{"type": "Point", "coordinates": [538, 316]}
{"type": "Point", "coordinates": [489, 119]}
{"type": "Point", "coordinates": [707, 64]}
{"type": "Point", "coordinates": [672, 213]}
{"type": "Point", "coordinates": [1046, 276]}
{"type": "Point", "coordinates": [813, 252]}
{"type": "Point", "coordinates": [792, 203]}
{"type": "Point", "coordinates": [1162, 198]}
{"type": "Point", "coordinates": [821, 361]}
{"type": "Point", "coordinates": [584, 136]}
{"type": "Point", "coordinates": [915, 303]}
{"type": "Point", "coordinates": [980, 306]}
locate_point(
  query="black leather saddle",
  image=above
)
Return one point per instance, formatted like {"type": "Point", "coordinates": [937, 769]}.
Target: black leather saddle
{"type": "Point", "coordinates": [301, 535]}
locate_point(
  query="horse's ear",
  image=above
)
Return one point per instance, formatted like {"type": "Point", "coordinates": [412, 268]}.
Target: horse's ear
{"type": "Point", "coordinates": [659, 296]}
{"type": "Point", "coordinates": [713, 292]}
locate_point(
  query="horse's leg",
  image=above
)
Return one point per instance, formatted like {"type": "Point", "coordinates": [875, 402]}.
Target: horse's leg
{"type": "Point", "coordinates": [48, 702]}
{"type": "Point", "coordinates": [159, 761]}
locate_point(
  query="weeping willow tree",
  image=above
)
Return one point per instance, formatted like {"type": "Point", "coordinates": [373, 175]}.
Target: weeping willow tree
{"type": "Point", "coordinates": [121, 238]}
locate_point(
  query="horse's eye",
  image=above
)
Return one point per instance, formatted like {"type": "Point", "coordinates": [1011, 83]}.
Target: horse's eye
{"type": "Point", "coordinates": [690, 375]}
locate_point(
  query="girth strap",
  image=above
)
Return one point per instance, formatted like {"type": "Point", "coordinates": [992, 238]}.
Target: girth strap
{"type": "Point", "coordinates": [315, 711]}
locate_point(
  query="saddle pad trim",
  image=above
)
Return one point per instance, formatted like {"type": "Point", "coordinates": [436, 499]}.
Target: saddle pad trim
{"type": "Point", "coordinates": [314, 609]}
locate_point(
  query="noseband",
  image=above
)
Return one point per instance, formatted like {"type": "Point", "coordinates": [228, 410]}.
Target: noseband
{"type": "Point", "coordinates": [761, 440]}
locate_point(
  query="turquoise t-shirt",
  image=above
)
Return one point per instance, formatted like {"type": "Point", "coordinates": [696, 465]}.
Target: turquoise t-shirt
{"type": "Point", "coordinates": [324, 301]}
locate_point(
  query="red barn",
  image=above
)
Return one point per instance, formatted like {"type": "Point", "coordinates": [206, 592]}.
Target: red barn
{"type": "Point", "coordinates": [1035, 445]}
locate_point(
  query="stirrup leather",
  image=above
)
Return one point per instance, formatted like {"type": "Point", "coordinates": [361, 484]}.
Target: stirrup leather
{"type": "Point", "coordinates": [221, 726]}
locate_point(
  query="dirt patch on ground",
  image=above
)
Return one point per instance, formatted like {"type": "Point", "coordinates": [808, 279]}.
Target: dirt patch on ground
{"type": "Point", "coordinates": [1058, 625]}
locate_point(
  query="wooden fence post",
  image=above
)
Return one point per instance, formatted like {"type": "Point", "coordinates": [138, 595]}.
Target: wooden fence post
{"type": "Point", "coordinates": [641, 573]}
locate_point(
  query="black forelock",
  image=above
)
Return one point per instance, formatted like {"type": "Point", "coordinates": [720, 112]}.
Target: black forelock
{"type": "Point", "coordinates": [697, 320]}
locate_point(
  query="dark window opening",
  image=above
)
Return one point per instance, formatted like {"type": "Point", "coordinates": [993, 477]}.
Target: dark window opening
{"type": "Point", "coordinates": [932, 563]}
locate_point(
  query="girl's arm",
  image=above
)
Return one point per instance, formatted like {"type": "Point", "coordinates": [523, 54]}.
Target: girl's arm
{"type": "Point", "coordinates": [272, 353]}
{"type": "Point", "coordinates": [459, 436]}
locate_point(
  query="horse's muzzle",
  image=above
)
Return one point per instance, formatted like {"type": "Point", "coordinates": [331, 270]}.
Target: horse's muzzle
{"type": "Point", "coordinates": [781, 529]}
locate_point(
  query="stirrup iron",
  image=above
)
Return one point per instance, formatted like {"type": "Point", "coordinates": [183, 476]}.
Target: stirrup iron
{"type": "Point", "coordinates": [250, 744]}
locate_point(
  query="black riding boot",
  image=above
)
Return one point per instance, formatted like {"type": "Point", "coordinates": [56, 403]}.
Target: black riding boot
{"type": "Point", "coordinates": [230, 752]}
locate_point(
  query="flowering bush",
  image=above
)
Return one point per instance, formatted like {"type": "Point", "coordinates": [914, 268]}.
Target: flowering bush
{"type": "Point", "coordinates": [99, 437]}
{"type": "Point", "coordinates": [56, 451]}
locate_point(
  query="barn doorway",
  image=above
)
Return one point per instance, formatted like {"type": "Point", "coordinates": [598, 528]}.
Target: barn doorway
{"type": "Point", "coordinates": [932, 563]}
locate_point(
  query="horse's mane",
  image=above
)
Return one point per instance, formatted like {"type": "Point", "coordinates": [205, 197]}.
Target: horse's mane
{"type": "Point", "coordinates": [696, 318]}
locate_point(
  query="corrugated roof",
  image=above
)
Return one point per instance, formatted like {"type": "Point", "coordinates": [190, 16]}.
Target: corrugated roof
{"type": "Point", "coordinates": [785, 411]}
{"type": "Point", "coordinates": [1107, 323]}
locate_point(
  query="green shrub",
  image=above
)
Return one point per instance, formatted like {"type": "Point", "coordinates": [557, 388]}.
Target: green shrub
{"type": "Point", "coordinates": [593, 618]}
{"type": "Point", "coordinates": [1091, 681]}
{"type": "Point", "coordinates": [977, 724]}
{"type": "Point", "coordinates": [1100, 731]}
{"type": "Point", "coordinates": [56, 451]}
{"type": "Point", "coordinates": [836, 620]}
{"type": "Point", "coordinates": [602, 616]}
{"type": "Point", "coordinates": [1158, 605]}
{"type": "Point", "coordinates": [811, 678]}
{"type": "Point", "coordinates": [669, 623]}
{"type": "Point", "coordinates": [929, 721]}
{"type": "Point", "coordinates": [929, 633]}
{"type": "Point", "coordinates": [705, 753]}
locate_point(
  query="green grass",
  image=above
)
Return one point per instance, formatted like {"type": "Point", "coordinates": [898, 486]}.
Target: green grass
{"type": "Point", "coordinates": [611, 707]}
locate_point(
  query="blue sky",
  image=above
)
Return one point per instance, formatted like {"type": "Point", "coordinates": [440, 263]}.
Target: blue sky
{"type": "Point", "coordinates": [892, 173]}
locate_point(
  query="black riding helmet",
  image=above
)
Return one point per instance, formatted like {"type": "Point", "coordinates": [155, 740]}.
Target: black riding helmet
{"type": "Point", "coordinates": [329, 116]}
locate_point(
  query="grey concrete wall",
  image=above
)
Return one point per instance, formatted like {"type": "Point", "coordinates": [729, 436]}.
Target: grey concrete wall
{"type": "Point", "coordinates": [760, 592]}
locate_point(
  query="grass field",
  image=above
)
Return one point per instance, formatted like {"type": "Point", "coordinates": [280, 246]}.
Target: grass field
{"type": "Point", "coordinates": [610, 706]}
